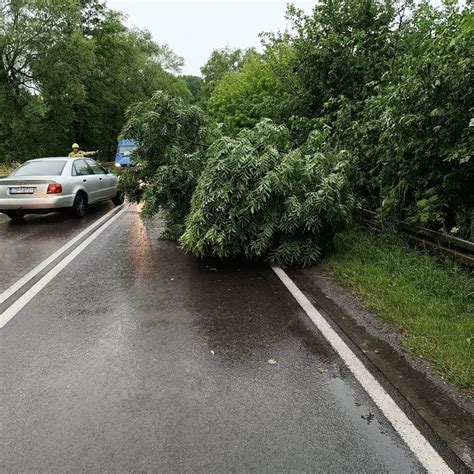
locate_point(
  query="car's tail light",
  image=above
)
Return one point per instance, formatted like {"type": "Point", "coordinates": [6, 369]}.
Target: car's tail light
{"type": "Point", "coordinates": [54, 188]}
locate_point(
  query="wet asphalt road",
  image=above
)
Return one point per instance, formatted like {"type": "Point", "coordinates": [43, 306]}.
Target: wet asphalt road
{"type": "Point", "coordinates": [138, 357]}
{"type": "Point", "coordinates": [25, 244]}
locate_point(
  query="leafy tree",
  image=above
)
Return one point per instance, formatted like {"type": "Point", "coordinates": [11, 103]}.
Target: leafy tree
{"type": "Point", "coordinates": [393, 82]}
{"type": "Point", "coordinates": [242, 98]}
{"type": "Point", "coordinates": [68, 71]}
{"type": "Point", "coordinates": [259, 199]}
{"type": "Point", "coordinates": [220, 62]}
{"type": "Point", "coordinates": [38, 40]}
{"type": "Point", "coordinates": [287, 86]}
{"type": "Point", "coordinates": [253, 196]}
{"type": "Point", "coordinates": [169, 157]}
{"type": "Point", "coordinates": [130, 67]}
{"type": "Point", "coordinates": [195, 84]}
{"type": "Point", "coordinates": [413, 138]}
{"type": "Point", "coordinates": [340, 50]}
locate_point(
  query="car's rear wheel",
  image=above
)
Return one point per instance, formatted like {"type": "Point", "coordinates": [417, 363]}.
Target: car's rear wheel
{"type": "Point", "coordinates": [80, 205]}
{"type": "Point", "coordinates": [15, 215]}
{"type": "Point", "coordinates": [119, 198]}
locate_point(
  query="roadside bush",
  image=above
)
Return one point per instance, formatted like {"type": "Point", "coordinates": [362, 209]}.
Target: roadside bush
{"type": "Point", "coordinates": [258, 199]}
{"type": "Point", "coordinates": [414, 136]}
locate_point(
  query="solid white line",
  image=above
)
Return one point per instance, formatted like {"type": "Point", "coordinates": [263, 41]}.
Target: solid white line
{"type": "Point", "coordinates": [418, 444]}
{"type": "Point", "coordinates": [31, 274]}
{"type": "Point", "coordinates": [12, 310]}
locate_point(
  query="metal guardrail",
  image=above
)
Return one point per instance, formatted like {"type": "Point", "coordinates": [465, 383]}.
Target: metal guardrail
{"type": "Point", "coordinates": [437, 242]}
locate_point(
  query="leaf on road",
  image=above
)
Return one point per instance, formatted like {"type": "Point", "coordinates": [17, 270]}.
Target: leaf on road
{"type": "Point", "coordinates": [321, 370]}
{"type": "Point", "coordinates": [272, 361]}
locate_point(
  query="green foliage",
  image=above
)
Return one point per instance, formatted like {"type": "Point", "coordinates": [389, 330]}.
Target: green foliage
{"type": "Point", "coordinates": [428, 300]}
{"type": "Point", "coordinates": [242, 98]}
{"type": "Point", "coordinates": [68, 72]}
{"type": "Point", "coordinates": [195, 85]}
{"type": "Point", "coordinates": [392, 80]}
{"type": "Point", "coordinates": [221, 62]}
{"type": "Point", "coordinates": [279, 57]}
{"type": "Point", "coordinates": [37, 41]}
{"type": "Point", "coordinates": [258, 199]}
{"type": "Point", "coordinates": [130, 67]}
{"type": "Point", "coordinates": [253, 196]}
{"type": "Point", "coordinates": [339, 50]}
{"type": "Point", "coordinates": [169, 157]}
{"type": "Point", "coordinates": [259, 86]}
{"type": "Point", "coordinates": [413, 136]}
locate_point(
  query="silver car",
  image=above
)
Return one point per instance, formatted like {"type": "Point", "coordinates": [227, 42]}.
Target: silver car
{"type": "Point", "coordinates": [55, 184]}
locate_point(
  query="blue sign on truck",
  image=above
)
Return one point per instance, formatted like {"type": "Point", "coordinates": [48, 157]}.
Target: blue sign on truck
{"type": "Point", "coordinates": [124, 152]}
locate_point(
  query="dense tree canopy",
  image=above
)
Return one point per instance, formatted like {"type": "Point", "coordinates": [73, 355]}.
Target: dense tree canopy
{"type": "Point", "coordinates": [362, 97]}
{"type": "Point", "coordinates": [68, 71]}
{"type": "Point", "coordinates": [172, 137]}
{"type": "Point", "coordinates": [413, 134]}
{"type": "Point", "coordinates": [242, 98]}
{"type": "Point", "coordinates": [260, 198]}
{"type": "Point", "coordinates": [393, 80]}
{"type": "Point", "coordinates": [221, 62]}
{"type": "Point", "coordinates": [195, 85]}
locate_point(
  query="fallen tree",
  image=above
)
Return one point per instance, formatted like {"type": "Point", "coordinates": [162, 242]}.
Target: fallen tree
{"type": "Point", "coordinates": [254, 195]}
{"type": "Point", "coordinates": [258, 199]}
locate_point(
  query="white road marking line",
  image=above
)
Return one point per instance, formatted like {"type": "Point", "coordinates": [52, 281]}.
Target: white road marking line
{"type": "Point", "coordinates": [31, 274]}
{"type": "Point", "coordinates": [12, 310]}
{"type": "Point", "coordinates": [417, 443]}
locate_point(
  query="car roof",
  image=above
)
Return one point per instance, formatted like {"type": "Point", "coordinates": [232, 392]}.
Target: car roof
{"type": "Point", "coordinates": [51, 158]}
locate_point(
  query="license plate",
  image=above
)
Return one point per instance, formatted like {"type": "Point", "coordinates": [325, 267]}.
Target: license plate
{"type": "Point", "coordinates": [22, 190]}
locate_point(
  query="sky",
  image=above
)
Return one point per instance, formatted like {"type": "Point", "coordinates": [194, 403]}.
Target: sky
{"type": "Point", "coordinates": [193, 29]}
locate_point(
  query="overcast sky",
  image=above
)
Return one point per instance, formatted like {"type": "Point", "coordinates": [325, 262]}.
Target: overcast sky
{"type": "Point", "coordinates": [193, 28]}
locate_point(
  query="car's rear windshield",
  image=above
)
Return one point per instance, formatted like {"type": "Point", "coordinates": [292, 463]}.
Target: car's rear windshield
{"type": "Point", "coordinates": [40, 168]}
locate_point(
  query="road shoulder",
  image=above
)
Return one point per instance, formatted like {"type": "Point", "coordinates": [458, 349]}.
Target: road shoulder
{"type": "Point", "coordinates": [443, 407]}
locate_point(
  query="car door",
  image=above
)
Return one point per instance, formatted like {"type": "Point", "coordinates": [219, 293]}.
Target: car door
{"type": "Point", "coordinates": [108, 182]}
{"type": "Point", "coordinates": [83, 172]}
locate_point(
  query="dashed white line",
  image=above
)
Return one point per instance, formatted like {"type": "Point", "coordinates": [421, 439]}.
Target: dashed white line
{"type": "Point", "coordinates": [12, 310]}
{"type": "Point", "coordinates": [417, 443]}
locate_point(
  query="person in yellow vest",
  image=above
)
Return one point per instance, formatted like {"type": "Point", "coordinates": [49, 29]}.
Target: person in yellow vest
{"type": "Point", "coordinates": [76, 152]}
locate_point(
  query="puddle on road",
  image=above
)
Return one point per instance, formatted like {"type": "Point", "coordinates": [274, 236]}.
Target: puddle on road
{"type": "Point", "coordinates": [369, 422]}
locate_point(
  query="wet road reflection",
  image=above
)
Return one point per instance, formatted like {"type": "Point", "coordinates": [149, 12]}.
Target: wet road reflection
{"type": "Point", "coordinates": [23, 245]}
{"type": "Point", "coordinates": [160, 362]}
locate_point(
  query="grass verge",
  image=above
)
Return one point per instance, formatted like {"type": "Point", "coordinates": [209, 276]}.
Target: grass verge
{"type": "Point", "coordinates": [431, 301]}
